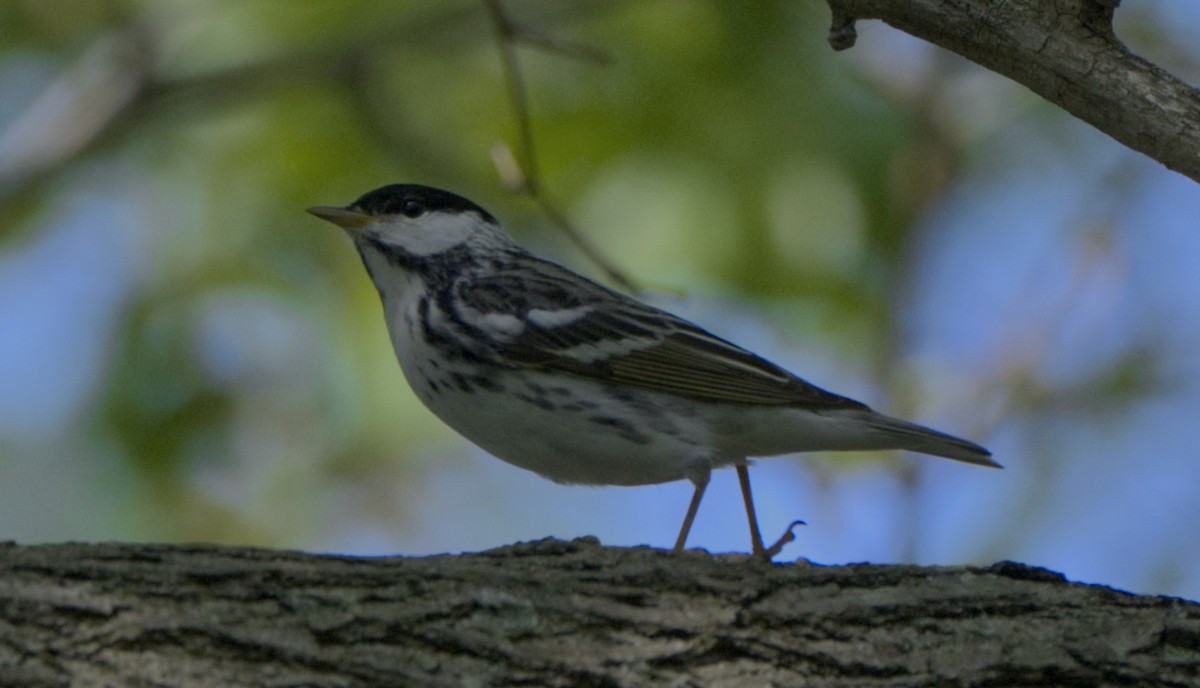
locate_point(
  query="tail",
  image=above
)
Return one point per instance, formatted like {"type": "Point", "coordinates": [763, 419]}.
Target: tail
{"type": "Point", "coordinates": [899, 434]}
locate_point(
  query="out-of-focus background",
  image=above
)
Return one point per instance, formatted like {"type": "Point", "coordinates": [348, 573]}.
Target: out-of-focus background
{"type": "Point", "coordinates": [185, 355]}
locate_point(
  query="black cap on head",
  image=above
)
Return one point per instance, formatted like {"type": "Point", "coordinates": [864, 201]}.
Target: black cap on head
{"type": "Point", "coordinates": [414, 200]}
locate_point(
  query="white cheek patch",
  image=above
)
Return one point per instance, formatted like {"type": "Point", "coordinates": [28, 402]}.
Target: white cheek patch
{"type": "Point", "coordinates": [431, 233]}
{"type": "Point", "coordinates": [549, 319]}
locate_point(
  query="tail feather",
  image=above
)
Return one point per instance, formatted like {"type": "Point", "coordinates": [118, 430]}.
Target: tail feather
{"type": "Point", "coordinates": [918, 438]}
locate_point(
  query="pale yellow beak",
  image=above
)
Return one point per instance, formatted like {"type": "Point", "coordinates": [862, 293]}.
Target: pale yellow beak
{"type": "Point", "coordinates": [342, 217]}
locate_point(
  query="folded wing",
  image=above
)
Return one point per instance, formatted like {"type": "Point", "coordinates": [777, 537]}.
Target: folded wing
{"type": "Point", "coordinates": [585, 329]}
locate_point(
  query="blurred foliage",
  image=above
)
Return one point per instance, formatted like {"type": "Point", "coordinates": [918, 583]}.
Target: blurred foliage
{"type": "Point", "coordinates": [248, 391]}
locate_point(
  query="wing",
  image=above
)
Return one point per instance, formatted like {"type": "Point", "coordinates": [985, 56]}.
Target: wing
{"type": "Point", "coordinates": [576, 326]}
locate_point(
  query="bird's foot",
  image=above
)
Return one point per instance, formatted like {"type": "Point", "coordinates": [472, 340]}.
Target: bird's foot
{"type": "Point", "coordinates": [788, 536]}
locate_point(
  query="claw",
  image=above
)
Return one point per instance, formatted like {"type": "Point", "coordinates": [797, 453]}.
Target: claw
{"type": "Point", "coordinates": [788, 536]}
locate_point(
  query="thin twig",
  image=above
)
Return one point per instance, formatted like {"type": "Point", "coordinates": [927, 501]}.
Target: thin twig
{"type": "Point", "coordinates": [558, 45]}
{"type": "Point", "coordinates": [515, 82]}
{"type": "Point", "coordinates": [521, 173]}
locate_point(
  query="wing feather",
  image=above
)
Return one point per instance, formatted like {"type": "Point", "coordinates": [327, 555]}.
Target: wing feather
{"type": "Point", "coordinates": [624, 342]}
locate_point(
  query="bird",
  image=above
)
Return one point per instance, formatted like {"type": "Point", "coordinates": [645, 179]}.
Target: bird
{"type": "Point", "coordinates": [555, 373]}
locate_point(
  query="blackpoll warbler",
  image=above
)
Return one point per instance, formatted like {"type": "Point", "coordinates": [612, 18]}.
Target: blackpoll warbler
{"type": "Point", "coordinates": [549, 371]}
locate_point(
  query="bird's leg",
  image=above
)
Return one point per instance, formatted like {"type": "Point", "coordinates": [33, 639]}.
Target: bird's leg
{"type": "Point", "coordinates": [756, 544]}
{"type": "Point", "coordinates": [701, 484]}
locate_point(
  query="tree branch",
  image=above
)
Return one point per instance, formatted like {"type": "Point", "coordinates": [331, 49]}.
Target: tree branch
{"type": "Point", "coordinates": [1063, 50]}
{"type": "Point", "coordinates": [524, 175]}
{"type": "Point", "coordinates": [565, 614]}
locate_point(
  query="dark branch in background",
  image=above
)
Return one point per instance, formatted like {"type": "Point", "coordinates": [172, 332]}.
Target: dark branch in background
{"type": "Point", "coordinates": [76, 107]}
{"type": "Point", "coordinates": [1066, 52]}
{"type": "Point", "coordinates": [113, 88]}
{"type": "Point", "coordinates": [524, 175]}
{"type": "Point", "coordinates": [555, 613]}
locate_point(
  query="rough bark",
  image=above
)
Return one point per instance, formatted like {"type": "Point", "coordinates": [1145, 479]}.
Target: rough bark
{"type": "Point", "coordinates": [565, 614]}
{"type": "Point", "coordinates": [1063, 50]}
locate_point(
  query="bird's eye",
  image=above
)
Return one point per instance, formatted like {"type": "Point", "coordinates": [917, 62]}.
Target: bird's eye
{"type": "Point", "coordinates": [412, 208]}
